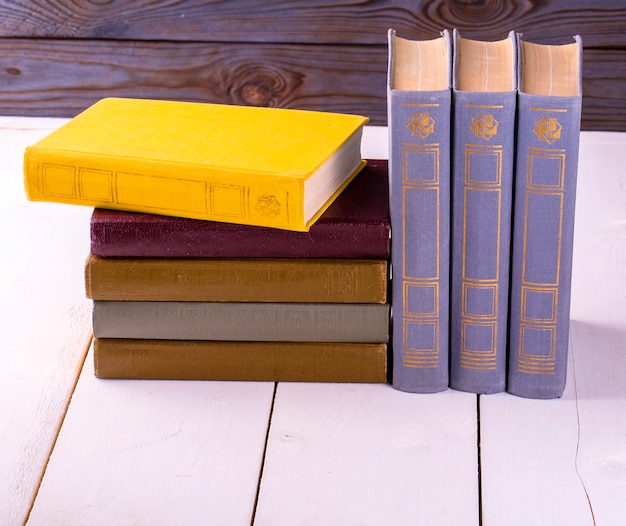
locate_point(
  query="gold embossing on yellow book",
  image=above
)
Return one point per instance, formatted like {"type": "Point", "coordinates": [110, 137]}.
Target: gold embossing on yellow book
{"type": "Point", "coordinates": [259, 166]}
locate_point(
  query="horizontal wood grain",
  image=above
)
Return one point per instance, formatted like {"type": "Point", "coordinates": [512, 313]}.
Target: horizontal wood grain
{"type": "Point", "coordinates": [324, 55]}
{"type": "Point", "coordinates": [59, 78]}
{"type": "Point", "coordinates": [328, 22]}
{"type": "Point", "coordinates": [64, 78]}
{"type": "Point", "coordinates": [604, 87]}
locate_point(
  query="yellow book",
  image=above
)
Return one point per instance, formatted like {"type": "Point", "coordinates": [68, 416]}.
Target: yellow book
{"type": "Point", "coordinates": [238, 164]}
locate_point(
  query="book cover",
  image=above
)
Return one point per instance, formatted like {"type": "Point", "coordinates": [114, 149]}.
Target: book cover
{"type": "Point", "coordinates": [356, 226]}
{"type": "Point", "coordinates": [548, 133]}
{"type": "Point", "coordinates": [245, 361]}
{"type": "Point", "coordinates": [419, 103]}
{"type": "Point", "coordinates": [484, 104]}
{"type": "Point", "coordinates": [241, 164]}
{"type": "Point", "coordinates": [294, 322]}
{"type": "Point", "coordinates": [237, 280]}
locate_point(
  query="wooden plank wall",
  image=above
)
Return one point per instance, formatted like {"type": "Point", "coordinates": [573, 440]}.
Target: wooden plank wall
{"type": "Point", "coordinates": [58, 57]}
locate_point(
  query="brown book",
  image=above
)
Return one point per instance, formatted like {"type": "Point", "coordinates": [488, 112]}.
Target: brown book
{"type": "Point", "coordinates": [237, 280]}
{"type": "Point", "coordinates": [247, 361]}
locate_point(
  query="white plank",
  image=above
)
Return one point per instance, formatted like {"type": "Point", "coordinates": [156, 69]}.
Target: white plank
{"type": "Point", "coordinates": [599, 270]}
{"type": "Point", "coordinates": [599, 357]}
{"type": "Point", "coordinates": [528, 462]}
{"type": "Point", "coordinates": [599, 326]}
{"type": "Point", "coordinates": [44, 319]}
{"type": "Point", "coordinates": [157, 453]}
{"type": "Point", "coordinates": [368, 454]}
{"type": "Point", "coordinates": [564, 461]}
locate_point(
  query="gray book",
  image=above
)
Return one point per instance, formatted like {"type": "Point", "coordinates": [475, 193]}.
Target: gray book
{"type": "Point", "coordinates": [483, 133]}
{"type": "Point", "coordinates": [548, 132]}
{"type": "Point", "coordinates": [297, 322]}
{"type": "Point", "coordinates": [419, 99]}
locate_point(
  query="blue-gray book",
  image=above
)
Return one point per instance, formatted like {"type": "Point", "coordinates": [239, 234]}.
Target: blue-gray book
{"type": "Point", "coordinates": [548, 132]}
{"type": "Point", "coordinates": [419, 104]}
{"type": "Point", "coordinates": [483, 106]}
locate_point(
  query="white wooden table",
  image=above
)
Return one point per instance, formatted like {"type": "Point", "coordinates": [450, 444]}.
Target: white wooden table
{"type": "Point", "coordinates": [75, 450]}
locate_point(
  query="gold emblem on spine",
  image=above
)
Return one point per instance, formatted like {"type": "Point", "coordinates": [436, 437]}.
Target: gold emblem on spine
{"type": "Point", "coordinates": [421, 124]}
{"type": "Point", "coordinates": [484, 126]}
{"type": "Point", "coordinates": [267, 205]}
{"type": "Point", "coordinates": [548, 129]}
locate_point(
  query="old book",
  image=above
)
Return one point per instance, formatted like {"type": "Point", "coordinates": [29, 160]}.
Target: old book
{"type": "Point", "coordinates": [419, 102]}
{"type": "Point", "coordinates": [237, 280]}
{"type": "Point", "coordinates": [247, 361]}
{"type": "Point", "coordinates": [356, 225]}
{"type": "Point", "coordinates": [548, 132]}
{"type": "Point", "coordinates": [256, 166]}
{"type": "Point", "coordinates": [295, 322]}
{"type": "Point", "coordinates": [484, 104]}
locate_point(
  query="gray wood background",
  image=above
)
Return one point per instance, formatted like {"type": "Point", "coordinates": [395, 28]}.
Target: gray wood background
{"type": "Point", "coordinates": [59, 56]}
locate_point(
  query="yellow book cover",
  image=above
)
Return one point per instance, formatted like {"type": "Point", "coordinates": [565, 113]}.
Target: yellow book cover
{"type": "Point", "coordinates": [272, 167]}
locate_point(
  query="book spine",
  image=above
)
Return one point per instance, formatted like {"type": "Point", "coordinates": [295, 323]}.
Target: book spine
{"type": "Point", "coordinates": [141, 185]}
{"type": "Point", "coordinates": [419, 172]}
{"type": "Point", "coordinates": [202, 239]}
{"type": "Point", "coordinates": [296, 322]}
{"type": "Point", "coordinates": [355, 226]}
{"type": "Point", "coordinates": [482, 192]}
{"type": "Point", "coordinates": [546, 171]}
{"type": "Point", "coordinates": [236, 280]}
{"type": "Point", "coordinates": [246, 361]}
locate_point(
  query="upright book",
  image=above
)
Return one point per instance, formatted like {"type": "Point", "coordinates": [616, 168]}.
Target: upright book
{"type": "Point", "coordinates": [548, 132]}
{"type": "Point", "coordinates": [419, 103]}
{"type": "Point", "coordinates": [355, 225]}
{"type": "Point", "coordinates": [259, 166]}
{"type": "Point", "coordinates": [484, 104]}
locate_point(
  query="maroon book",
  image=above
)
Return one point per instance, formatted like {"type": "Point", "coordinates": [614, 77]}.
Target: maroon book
{"type": "Point", "coordinates": [356, 225]}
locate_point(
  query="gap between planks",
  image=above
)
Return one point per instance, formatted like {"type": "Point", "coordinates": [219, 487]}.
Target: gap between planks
{"type": "Point", "coordinates": [262, 467]}
{"type": "Point", "coordinates": [578, 474]}
{"type": "Point", "coordinates": [79, 370]}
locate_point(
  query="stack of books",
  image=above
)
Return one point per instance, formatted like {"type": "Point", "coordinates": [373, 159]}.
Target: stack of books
{"type": "Point", "coordinates": [483, 165]}
{"type": "Point", "coordinates": [250, 273]}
